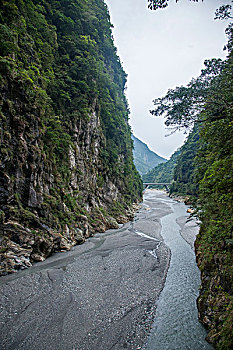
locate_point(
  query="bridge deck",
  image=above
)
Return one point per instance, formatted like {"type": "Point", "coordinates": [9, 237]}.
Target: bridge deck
{"type": "Point", "coordinates": [156, 183]}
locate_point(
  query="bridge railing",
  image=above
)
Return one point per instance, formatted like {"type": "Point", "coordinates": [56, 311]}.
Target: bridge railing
{"type": "Point", "coordinates": [165, 184]}
{"type": "Point", "coordinates": [156, 183]}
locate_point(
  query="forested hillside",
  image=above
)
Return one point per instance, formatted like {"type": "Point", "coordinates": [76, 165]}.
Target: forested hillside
{"type": "Point", "coordinates": [144, 158]}
{"type": "Point", "coordinates": [163, 172]}
{"type": "Point", "coordinates": [185, 174]}
{"type": "Point", "coordinates": [204, 169]}
{"type": "Point", "coordinates": [179, 169]}
{"type": "Point", "coordinates": [214, 245]}
{"type": "Point", "coordinates": [66, 166]}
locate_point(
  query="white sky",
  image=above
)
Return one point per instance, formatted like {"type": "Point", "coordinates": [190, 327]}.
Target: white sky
{"type": "Point", "coordinates": [160, 50]}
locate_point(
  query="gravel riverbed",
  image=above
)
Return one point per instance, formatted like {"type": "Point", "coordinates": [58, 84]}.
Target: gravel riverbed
{"type": "Point", "coordinates": [100, 295]}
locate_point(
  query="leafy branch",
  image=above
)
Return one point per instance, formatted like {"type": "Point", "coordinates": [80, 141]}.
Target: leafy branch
{"type": "Point", "coordinates": [224, 11]}
{"type": "Point", "coordinates": [160, 4]}
{"type": "Point", "coordinates": [182, 106]}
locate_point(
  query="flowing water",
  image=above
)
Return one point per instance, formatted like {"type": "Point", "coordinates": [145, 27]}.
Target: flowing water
{"type": "Point", "coordinates": [176, 325]}
{"type": "Point", "coordinates": [101, 295]}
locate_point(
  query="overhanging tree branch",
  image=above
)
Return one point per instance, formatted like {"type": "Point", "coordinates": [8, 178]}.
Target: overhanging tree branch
{"type": "Point", "coordinates": [182, 106]}
{"type": "Point", "coordinates": [160, 4]}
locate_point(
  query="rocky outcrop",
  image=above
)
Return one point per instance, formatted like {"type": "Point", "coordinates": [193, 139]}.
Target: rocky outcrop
{"type": "Point", "coordinates": [21, 246]}
{"type": "Point", "coordinates": [215, 302]}
{"type": "Point", "coordinates": [39, 216]}
{"type": "Point", "coordinates": [66, 162]}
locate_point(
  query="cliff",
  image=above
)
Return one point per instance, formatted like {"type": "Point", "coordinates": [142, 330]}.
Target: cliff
{"type": "Point", "coordinates": [66, 166]}
{"type": "Point", "coordinates": [204, 170]}
{"type": "Point", "coordinates": [144, 158]}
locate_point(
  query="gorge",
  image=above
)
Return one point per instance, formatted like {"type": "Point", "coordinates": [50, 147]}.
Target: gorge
{"type": "Point", "coordinates": [103, 294]}
{"type": "Point", "coordinates": [67, 174]}
{"type": "Point", "coordinates": [66, 151]}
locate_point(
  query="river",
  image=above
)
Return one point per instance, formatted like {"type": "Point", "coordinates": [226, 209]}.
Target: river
{"type": "Point", "coordinates": [176, 323]}
{"type": "Point", "coordinates": [106, 294]}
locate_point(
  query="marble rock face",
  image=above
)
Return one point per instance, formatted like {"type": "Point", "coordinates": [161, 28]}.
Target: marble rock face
{"type": "Point", "coordinates": [29, 230]}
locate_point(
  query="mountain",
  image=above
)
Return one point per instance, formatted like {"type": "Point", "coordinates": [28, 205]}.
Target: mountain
{"type": "Point", "coordinates": [185, 176]}
{"type": "Point", "coordinates": [163, 172]}
{"type": "Point", "coordinates": [66, 162]}
{"type": "Point", "coordinates": [144, 158]}
{"type": "Point", "coordinates": [180, 168]}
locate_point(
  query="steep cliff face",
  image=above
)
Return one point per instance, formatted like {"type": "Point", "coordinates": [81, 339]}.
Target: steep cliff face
{"type": "Point", "coordinates": [204, 170]}
{"type": "Point", "coordinates": [66, 152]}
{"type": "Point", "coordinates": [144, 158]}
{"type": "Point", "coordinates": [215, 303]}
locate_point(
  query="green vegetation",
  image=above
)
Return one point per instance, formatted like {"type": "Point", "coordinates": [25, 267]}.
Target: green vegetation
{"type": "Point", "coordinates": [223, 12]}
{"type": "Point", "coordinates": [144, 158]}
{"type": "Point", "coordinates": [66, 144]}
{"type": "Point", "coordinates": [163, 172]}
{"type": "Point", "coordinates": [204, 170]}
{"type": "Point", "coordinates": [185, 173]}
{"type": "Point", "coordinates": [160, 4]}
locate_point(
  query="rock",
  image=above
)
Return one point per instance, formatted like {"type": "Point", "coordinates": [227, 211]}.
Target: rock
{"type": "Point", "coordinates": [36, 257]}
{"type": "Point", "coordinates": [206, 321]}
{"type": "Point", "coordinates": [43, 245]}
{"type": "Point", "coordinates": [187, 201]}
{"type": "Point", "coordinates": [79, 236]}
{"type": "Point", "coordinates": [32, 201]}
{"type": "Point", "coordinates": [112, 222]}
{"type": "Point", "coordinates": [13, 257]}
{"type": "Point", "coordinates": [190, 211]}
{"type": "Point", "coordinates": [65, 245]}
{"type": "Point", "coordinates": [121, 219]}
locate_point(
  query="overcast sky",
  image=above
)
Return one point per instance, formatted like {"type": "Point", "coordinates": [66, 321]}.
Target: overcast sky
{"type": "Point", "coordinates": [161, 50]}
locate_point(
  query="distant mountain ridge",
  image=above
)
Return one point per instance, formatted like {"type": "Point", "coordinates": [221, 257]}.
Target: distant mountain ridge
{"type": "Point", "coordinates": [163, 172]}
{"type": "Point", "coordinates": [144, 158]}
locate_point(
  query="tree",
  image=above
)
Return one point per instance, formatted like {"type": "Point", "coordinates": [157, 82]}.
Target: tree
{"type": "Point", "coordinates": [182, 106]}
{"type": "Point", "coordinates": [159, 4]}
{"type": "Point", "coordinates": [223, 12]}
{"type": "Point", "coordinates": [205, 169]}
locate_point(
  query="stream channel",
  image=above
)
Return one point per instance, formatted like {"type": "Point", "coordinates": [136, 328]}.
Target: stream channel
{"type": "Point", "coordinates": [106, 293]}
{"type": "Point", "coordinates": [176, 323]}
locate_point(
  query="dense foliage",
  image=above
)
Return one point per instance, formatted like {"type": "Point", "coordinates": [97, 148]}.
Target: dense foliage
{"type": "Point", "coordinates": [185, 175]}
{"type": "Point", "coordinates": [215, 242]}
{"type": "Point", "coordinates": [204, 168]}
{"type": "Point", "coordinates": [65, 137]}
{"type": "Point", "coordinates": [180, 169]}
{"type": "Point", "coordinates": [163, 172]}
{"type": "Point", "coordinates": [160, 4]}
{"type": "Point", "coordinates": [224, 11]}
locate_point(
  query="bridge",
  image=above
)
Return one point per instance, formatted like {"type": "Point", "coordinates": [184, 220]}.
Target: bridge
{"type": "Point", "coordinates": [148, 184]}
